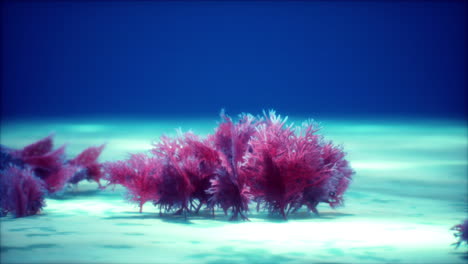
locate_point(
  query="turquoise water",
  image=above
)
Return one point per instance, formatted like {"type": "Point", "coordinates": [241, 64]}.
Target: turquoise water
{"type": "Point", "coordinates": [410, 188]}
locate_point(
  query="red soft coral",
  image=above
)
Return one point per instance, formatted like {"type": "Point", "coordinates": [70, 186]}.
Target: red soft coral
{"type": "Point", "coordinates": [57, 179]}
{"type": "Point", "coordinates": [88, 166]}
{"type": "Point", "coordinates": [139, 174]}
{"type": "Point", "coordinates": [283, 164]}
{"type": "Point", "coordinates": [50, 167]}
{"type": "Point", "coordinates": [229, 188]}
{"type": "Point", "coordinates": [200, 161]}
{"type": "Point", "coordinates": [37, 148]}
{"type": "Point", "coordinates": [46, 163]}
{"type": "Point", "coordinates": [179, 166]}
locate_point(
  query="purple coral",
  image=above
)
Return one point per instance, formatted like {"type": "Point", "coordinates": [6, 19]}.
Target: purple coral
{"type": "Point", "coordinates": [21, 193]}
{"type": "Point", "coordinates": [8, 158]}
{"type": "Point", "coordinates": [462, 233]}
{"type": "Point", "coordinates": [188, 166]}
{"type": "Point", "coordinates": [28, 174]}
{"type": "Point", "coordinates": [46, 163]}
{"type": "Point", "coordinates": [339, 174]}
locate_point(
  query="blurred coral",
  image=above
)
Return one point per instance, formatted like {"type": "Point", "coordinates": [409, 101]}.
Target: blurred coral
{"type": "Point", "coordinates": [88, 168]}
{"type": "Point", "coordinates": [28, 174]}
{"type": "Point", "coordinates": [461, 234]}
{"type": "Point", "coordinates": [21, 193]}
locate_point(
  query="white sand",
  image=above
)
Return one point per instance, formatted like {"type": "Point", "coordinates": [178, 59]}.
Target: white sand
{"type": "Point", "coordinates": [409, 190]}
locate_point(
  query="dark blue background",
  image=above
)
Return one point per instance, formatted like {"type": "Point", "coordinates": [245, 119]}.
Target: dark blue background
{"type": "Point", "coordinates": [321, 58]}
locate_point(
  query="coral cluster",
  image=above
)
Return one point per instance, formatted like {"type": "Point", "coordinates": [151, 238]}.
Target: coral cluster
{"type": "Point", "coordinates": [258, 160]}
{"type": "Point", "coordinates": [30, 173]}
{"type": "Point", "coordinates": [263, 160]}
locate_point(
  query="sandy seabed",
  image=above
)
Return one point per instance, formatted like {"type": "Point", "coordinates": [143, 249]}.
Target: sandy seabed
{"type": "Point", "coordinates": [410, 188]}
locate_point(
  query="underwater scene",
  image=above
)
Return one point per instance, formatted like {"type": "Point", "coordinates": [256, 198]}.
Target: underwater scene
{"type": "Point", "coordinates": [234, 132]}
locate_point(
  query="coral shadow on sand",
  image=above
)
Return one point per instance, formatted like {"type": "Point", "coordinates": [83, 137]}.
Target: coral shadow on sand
{"type": "Point", "coordinates": [462, 255]}
{"type": "Point", "coordinates": [229, 254]}
{"type": "Point", "coordinates": [70, 195]}
{"type": "Point", "coordinates": [28, 247]}
{"type": "Point", "coordinates": [221, 218]}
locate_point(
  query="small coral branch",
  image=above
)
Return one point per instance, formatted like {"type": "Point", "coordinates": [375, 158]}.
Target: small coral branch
{"type": "Point", "coordinates": [461, 233]}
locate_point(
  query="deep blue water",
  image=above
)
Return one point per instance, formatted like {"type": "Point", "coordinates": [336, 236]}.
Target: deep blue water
{"type": "Point", "coordinates": [183, 58]}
